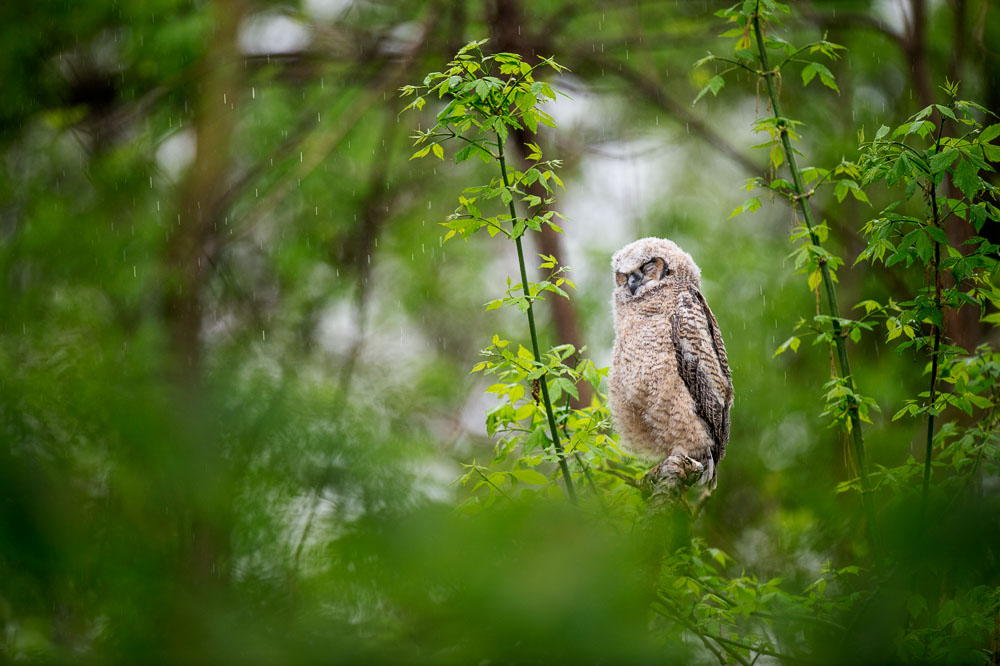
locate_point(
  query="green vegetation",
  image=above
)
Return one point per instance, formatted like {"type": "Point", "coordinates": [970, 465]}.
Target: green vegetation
{"type": "Point", "coordinates": [238, 315]}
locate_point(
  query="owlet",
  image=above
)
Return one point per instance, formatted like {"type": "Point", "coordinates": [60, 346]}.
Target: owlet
{"type": "Point", "coordinates": [670, 385]}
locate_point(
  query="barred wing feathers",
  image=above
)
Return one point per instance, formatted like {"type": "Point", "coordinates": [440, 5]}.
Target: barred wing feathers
{"type": "Point", "coordinates": [703, 365]}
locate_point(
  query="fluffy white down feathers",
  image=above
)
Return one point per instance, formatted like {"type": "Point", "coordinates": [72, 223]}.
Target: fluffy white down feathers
{"type": "Point", "coordinates": [670, 384]}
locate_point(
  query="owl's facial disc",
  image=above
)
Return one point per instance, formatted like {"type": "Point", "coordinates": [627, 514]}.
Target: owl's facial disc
{"type": "Point", "coordinates": [654, 269]}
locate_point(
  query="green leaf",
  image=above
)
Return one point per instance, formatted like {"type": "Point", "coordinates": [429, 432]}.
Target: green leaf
{"type": "Point", "coordinates": [902, 168]}
{"type": "Point", "coordinates": [840, 190]}
{"type": "Point", "coordinates": [966, 178]}
{"type": "Point", "coordinates": [915, 605]}
{"type": "Point", "coordinates": [990, 133]}
{"type": "Point", "coordinates": [714, 84]}
{"type": "Point", "coordinates": [750, 205]}
{"type": "Point", "coordinates": [530, 118]}
{"type": "Point", "coordinates": [814, 279]}
{"type": "Point", "coordinates": [942, 161]}
{"type": "Point", "coordinates": [438, 151]}
{"type": "Point", "coordinates": [524, 411]}
{"type": "Point", "coordinates": [808, 73]}
{"type": "Point", "coordinates": [826, 76]}
{"type": "Point", "coordinates": [791, 343]}
{"type": "Point", "coordinates": [937, 234]}
{"type": "Point", "coordinates": [531, 476]}
{"type": "Point", "coordinates": [465, 153]}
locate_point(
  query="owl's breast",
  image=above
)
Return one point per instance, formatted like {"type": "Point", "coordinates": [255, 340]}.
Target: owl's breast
{"type": "Point", "coordinates": [643, 353]}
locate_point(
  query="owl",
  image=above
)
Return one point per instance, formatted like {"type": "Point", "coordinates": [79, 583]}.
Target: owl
{"type": "Point", "coordinates": [670, 386]}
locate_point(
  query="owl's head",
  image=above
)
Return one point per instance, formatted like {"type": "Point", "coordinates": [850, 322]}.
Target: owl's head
{"type": "Point", "coordinates": [651, 263]}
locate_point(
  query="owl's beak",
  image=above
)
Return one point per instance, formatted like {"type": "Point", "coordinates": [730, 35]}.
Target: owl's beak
{"type": "Point", "coordinates": [635, 280]}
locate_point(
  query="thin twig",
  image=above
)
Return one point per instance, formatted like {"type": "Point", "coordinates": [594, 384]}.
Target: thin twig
{"type": "Point", "coordinates": [498, 488]}
{"type": "Point", "coordinates": [677, 616]}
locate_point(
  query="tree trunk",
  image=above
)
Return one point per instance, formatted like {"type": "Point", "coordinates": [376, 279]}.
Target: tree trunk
{"type": "Point", "coordinates": [203, 499]}
{"type": "Point", "coordinates": [506, 19]}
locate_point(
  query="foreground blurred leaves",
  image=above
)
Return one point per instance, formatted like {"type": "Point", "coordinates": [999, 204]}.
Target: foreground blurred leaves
{"type": "Point", "coordinates": [294, 501]}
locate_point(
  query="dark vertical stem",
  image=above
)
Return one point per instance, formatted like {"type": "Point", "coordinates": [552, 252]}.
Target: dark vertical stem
{"type": "Point", "coordinates": [936, 268]}
{"type": "Point", "coordinates": [930, 415]}
{"type": "Point", "coordinates": [570, 490]}
{"type": "Point", "coordinates": [831, 295]}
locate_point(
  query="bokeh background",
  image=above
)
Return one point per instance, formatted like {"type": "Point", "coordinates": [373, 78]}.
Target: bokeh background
{"type": "Point", "coordinates": [234, 353]}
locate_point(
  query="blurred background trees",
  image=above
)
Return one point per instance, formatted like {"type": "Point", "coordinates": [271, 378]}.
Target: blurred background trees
{"type": "Point", "coordinates": [234, 354]}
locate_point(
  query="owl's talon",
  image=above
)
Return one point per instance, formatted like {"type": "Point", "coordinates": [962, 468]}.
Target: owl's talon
{"type": "Point", "coordinates": [675, 474]}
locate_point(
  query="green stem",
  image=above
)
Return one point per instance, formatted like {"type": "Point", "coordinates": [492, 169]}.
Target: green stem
{"type": "Point", "coordinates": [543, 381]}
{"type": "Point", "coordinates": [831, 295]}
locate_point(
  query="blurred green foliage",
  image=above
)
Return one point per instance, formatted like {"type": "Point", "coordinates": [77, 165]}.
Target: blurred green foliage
{"type": "Point", "coordinates": [280, 486]}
